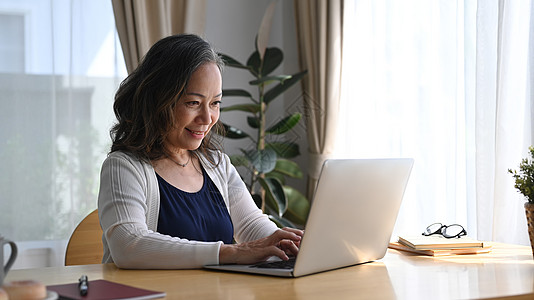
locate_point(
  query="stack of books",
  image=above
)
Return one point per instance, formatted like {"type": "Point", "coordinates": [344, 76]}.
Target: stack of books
{"type": "Point", "coordinates": [437, 245]}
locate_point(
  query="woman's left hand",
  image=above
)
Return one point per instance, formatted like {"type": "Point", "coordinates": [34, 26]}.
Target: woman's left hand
{"type": "Point", "coordinates": [291, 247]}
{"type": "Point", "coordinates": [281, 243]}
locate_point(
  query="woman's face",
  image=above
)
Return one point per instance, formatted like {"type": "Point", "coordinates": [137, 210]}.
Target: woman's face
{"type": "Point", "coordinates": [197, 110]}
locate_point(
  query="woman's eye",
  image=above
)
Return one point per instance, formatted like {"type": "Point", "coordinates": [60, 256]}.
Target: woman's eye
{"type": "Point", "coordinates": [192, 103]}
{"type": "Point", "coordinates": [216, 103]}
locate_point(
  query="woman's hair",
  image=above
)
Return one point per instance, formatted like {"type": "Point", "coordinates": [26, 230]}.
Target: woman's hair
{"type": "Point", "coordinates": [145, 101]}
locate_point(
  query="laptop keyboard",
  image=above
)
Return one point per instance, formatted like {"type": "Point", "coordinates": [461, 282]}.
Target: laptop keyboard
{"type": "Point", "coordinates": [283, 264]}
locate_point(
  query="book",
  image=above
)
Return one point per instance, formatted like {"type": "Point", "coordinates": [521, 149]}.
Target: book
{"type": "Point", "coordinates": [441, 252]}
{"type": "Point", "coordinates": [434, 242]}
{"type": "Point", "coordinates": [104, 289]}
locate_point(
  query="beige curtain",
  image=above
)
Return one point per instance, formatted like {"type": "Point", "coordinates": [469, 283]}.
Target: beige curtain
{"type": "Point", "coordinates": [319, 31]}
{"type": "Point", "coordinates": [141, 23]}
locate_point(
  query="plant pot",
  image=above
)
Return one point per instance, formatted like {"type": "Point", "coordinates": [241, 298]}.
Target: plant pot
{"type": "Point", "coordinates": [529, 210]}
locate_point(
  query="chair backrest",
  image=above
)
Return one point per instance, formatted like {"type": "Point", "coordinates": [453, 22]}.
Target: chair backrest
{"type": "Point", "coordinates": [85, 244]}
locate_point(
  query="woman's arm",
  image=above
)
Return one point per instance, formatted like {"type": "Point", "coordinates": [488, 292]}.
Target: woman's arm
{"type": "Point", "coordinates": [250, 223]}
{"type": "Point", "coordinates": [282, 243]}
{"type": "Point", "coordinates": [122, 205]}
{"type": "Point", "coordinates": [258, 237]}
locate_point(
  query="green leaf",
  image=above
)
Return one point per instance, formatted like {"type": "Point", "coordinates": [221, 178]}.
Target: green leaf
{"type": "Point", "coordinates": [524, 178]}
{"type": "Point", "coordinates": [262, 38]}
{"type": "Point", "coordinates": [254, 63]}
{"type": "Point", "coordinates": [230, 62]}
{"type": "Point", "coordinates": [282, 87]}
{"type": "Point", "coordinates": [253, 122]}
{"type": "Point", "coordinates": [285, 124]}
{"type": "Point", "coordinates": [234, 133]}
{"type": "Point", "coordinates": [272, 59]}
{"type": "Point", "coordinates": [257, 200]}
{"type": "Point", "coordinates": [236, 93]}
{"type": "Point", "coordinates": [298, 206]}
{"type": "Point", "coordinates": [281, 222]}
{"type": "Point", "coordinates": [288, 168]}
{"type": "Point", "coordinates": [277, 175]}
{"type": "Point", "coordinates": [284, 149]}
{"type": "Point", "coordinates": [249, 107]}
{"type": "Point", "coordinates": [270, 79]}
{"type": "Point", "coordinates": [271, 205]}
{"type": "Point", "coordinates": [239, 160]}
{"type": "Point", "coordinates": [263, 161]}
{"type": "Point", "coordinates": [275, 197]}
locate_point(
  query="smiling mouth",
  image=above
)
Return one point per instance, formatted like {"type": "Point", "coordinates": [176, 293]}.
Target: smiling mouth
{"type": "Point", "coordinates": [196, 132]}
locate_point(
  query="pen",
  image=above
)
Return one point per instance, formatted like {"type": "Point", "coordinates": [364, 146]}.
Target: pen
{"type": "Point", "coordinates": [83, 284]}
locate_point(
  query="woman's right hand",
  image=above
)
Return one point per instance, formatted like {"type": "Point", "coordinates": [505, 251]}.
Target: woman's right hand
{"type": "Point", "coordinates": [282, 243]}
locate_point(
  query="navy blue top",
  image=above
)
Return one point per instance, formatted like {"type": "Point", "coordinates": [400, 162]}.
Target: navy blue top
{"type": "Point", "coordinates": [200, 216]}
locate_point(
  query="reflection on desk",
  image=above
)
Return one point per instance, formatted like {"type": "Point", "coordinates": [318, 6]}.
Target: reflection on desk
{"type": "Point", "coordinates": [508, 270]}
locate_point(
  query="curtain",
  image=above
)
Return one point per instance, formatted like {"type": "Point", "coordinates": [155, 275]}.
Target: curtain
{"type": "Point", "coordinates": [503, 115]}
{"type": "Point", "coordinates": [60, 64]}
{"type": "Point", "coordinates": [319, 32]}
{"type": "Point", "coordinates": [447, 83]}
{"type": "Point", "coordinates": [141, 23]}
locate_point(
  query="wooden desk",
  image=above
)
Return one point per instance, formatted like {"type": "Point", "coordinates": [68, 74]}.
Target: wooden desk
{"type": "Point", "coordinates": [508, 271]}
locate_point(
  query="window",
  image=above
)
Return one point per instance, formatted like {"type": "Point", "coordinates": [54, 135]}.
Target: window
{"type": "Point", "coordinates": [447, 83]}
{"type": "Point", "coordinates": [60, 65]}
{"type": "Point", "coordinates": [12, 43]}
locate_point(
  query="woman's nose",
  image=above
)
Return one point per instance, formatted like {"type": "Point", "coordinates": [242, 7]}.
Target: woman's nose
{"type": "Point", "coordinates": [204, 116]}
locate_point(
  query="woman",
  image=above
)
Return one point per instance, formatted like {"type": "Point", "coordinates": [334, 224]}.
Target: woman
{"type": "Point", "coordinates": [169, 198]}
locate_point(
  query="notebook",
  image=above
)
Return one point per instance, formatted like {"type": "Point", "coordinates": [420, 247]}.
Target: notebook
{"type": "Point", "coordinates": [442, 252]}
{"type": "Point", "coordinates": [434, 242]}
{"type": "Point", "coordinates": [104, 289]}
{"type": "Point", "coordinates": [351, 217]}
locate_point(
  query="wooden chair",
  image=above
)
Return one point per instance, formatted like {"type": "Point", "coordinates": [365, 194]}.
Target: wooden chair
{"type": "Point", "coordinates": [85, 244]}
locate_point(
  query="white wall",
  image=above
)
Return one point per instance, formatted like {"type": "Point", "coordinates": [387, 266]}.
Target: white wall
{"type": "Point", "coordinates": [231, 27]}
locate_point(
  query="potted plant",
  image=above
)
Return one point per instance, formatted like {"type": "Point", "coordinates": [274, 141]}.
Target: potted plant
{"type": "Point", "coordinates": [524, 182]}
{"type": "Point", "coordinates": [267, 160]}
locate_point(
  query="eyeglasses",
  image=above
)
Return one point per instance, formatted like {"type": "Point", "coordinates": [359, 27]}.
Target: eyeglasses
{"type": "Point", "coordinates": [447, 231]}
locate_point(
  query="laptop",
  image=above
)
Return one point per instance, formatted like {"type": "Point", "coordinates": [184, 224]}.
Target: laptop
{"type": "Point", "coordinates": [351, 218]}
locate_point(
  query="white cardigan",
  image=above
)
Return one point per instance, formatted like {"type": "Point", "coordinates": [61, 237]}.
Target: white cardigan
{"type": "Point", "coordinates": [128, 209]}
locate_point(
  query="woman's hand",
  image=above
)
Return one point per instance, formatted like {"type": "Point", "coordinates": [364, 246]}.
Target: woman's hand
{"type": "Point", "coordinates": [282, 243]}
